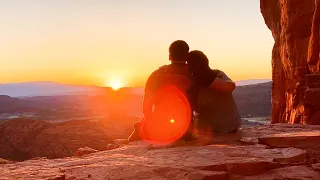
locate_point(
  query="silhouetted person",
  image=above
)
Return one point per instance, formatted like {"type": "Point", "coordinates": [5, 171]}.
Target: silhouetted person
{"type": "Point", "coordinates": [157, 88]}
{"type": "Point", "coordinates": [211, 96]}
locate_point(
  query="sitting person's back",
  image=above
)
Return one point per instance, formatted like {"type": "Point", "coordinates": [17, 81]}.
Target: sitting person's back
{"type": "Point", "coordinates": [160, 85]}
{"type": "Point", "coordinates": [211, 96]}
{"type": "Point", "coordinates": [218, 109]}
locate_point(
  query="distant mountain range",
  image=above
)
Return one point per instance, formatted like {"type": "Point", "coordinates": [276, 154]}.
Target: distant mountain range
{"type": "Point", "coordinates": [253, 100]}
{"type": "Point", "coordinates": [252, 81]}
{"type": "Point", "coordinates": [43, 88]}
{"type": "Point", "coordinates": [52, 88]}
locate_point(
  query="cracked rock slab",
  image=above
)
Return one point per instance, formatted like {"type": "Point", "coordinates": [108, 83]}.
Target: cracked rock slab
{"type": "Point", "coordinates": [287, 173]}
{"type": "Point", "coordinates": [139, 162]}
{"type": "Point", "coordinates": [304, 140]}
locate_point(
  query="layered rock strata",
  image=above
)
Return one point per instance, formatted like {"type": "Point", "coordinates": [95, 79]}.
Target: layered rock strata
{"type": "Point", "coordinates": [294, 25]}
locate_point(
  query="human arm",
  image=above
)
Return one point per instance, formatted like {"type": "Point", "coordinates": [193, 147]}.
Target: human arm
{"type": "Point", "coordinates": [148, 98]}
{"type": "Point", "coordinates": [223, 83]}
{"type": "Point", "coordinates": [147, 104]}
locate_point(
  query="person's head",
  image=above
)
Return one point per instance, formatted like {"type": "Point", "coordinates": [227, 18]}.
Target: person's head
{"type": "Point", "coordinates": [197, 61]}
{"type": "Point", "coordinates": [178, 51]}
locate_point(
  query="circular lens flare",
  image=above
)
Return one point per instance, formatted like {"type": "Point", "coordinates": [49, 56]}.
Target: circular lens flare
{"type": "Point", "coordinates": [170, 120]}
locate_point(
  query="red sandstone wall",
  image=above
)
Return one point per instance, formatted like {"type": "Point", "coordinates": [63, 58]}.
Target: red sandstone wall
{"type": "Point", "coordinates": [295, 59]}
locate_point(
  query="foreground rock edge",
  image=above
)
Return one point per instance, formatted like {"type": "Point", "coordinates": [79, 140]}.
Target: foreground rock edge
{"type": "Point", "coordinates": [225, 159]}
{"type": "Point", "coordinates": [220, 160]}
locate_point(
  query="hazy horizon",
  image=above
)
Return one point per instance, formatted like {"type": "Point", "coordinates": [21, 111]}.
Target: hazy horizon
{"type": "Point", "coordinates": [98, 42]}
{"type": "Point", "coordinates": [48, 88]}
{"type": "Point", "coordinates": [142, 86]}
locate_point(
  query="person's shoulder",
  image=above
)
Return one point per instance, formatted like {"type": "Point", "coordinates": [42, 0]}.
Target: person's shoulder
{"type": "Point", "coordinates": [223, 75]}
{"type": "Point", "coordinates": [162, 67]}
{"type": "Point", "coordinates": [153, 76]}
{"type": "Point", "coordinates": [219, 72]}
{"type": "Point", "coordinates": [157, 71]}
{"type": "Point", "coordinates": [216, 70]}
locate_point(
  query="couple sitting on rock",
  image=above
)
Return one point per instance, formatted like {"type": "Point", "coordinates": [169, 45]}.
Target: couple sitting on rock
{"type": "Point", "coordinates": [184, 96]}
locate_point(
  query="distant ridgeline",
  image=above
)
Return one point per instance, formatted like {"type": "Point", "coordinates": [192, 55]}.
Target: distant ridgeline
{"type": "Point", "coordinates": [253, 101]}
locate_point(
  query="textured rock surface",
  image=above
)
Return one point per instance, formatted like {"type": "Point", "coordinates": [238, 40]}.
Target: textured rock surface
{"type": "Point", "coordinates": [4, 161]}
{"type": "Point", "coordinates": [84, 151]}
{"type": "Point", "coordinates": [228, 158]}
{"type": "Point", "coordinates": [299, 140]}
{"type": "Point", "coordinates": [25, 139]}
{"type": "Point", "coordinates": [138, 162]}
{"type": "Point", "coordinates": [16, 137]}
{"type": "Point", "coordinates": [287, 173]}
{"type": "Point", "coordinates": [63, 139]}
{"type": "Point", "coordinates": [295, 28]}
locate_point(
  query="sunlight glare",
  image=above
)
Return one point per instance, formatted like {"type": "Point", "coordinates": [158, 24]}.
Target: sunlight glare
{"type": "Point", "coordinates": [115, 84]}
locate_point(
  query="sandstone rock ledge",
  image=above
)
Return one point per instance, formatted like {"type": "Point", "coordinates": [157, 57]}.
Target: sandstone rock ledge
{"type": "Point", "coordinates": [286, 152]}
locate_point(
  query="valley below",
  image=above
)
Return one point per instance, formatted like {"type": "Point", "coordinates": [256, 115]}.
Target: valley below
{"type": "Point", "coordinates": [56, 126]}
{"type": "Point", "coordinates": [252, 100]}
{"type": "Point", "coordinates": [73, 137]}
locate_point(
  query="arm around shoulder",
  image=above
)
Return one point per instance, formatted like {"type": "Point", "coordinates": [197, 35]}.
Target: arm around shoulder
{"type": "Point", "coordinates": [223, 83]}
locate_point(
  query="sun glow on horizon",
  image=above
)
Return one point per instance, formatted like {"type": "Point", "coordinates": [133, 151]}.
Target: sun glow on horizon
{"type": "Point", "coordinates": [114, 83]}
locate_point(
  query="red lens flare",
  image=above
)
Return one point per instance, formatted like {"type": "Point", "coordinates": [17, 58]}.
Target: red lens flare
{"type": "Point", "coordinates": [170, 120]}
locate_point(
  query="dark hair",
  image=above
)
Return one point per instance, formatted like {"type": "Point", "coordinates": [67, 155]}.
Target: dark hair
{"type": "Point", "coordinates": [179, 50]}
{"type": "Point", "coordinates": [198, 65]}
{"type": "Point", "coordinates": [197, 61]}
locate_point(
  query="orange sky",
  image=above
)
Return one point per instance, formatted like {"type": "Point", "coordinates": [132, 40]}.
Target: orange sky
{"type": "Point", "coordinates": [100, 42]}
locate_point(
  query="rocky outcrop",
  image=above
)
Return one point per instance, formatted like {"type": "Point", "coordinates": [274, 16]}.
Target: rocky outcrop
{"type": "Point", "coordinates": [4, 161]}
{"type": "Point", "coordinates": [84, 151]}
{"type": "Point", "coordinates": [16, 137]}
{"type": "Point", "coordinates": [295, 59]}
{"type": "Point", "coordinates": [293, 139]}
{"type": "Point", "coordinates": [228, 157]}
{"type": "Point", "coordinates": [24, 139]}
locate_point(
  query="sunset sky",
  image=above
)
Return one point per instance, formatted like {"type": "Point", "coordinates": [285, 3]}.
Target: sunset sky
{"type": "Point", "coordinates": [95, 42]}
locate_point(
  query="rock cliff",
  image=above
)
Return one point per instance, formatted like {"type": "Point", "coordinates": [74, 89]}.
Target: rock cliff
{"type": "Point", "coordinates": [267, 152]}
{"type": "Point", "coordinates": [295, 59]}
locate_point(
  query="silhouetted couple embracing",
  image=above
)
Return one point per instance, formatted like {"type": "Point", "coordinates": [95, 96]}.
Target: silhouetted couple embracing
{"type": "Point", "coordinates": [185, 97]}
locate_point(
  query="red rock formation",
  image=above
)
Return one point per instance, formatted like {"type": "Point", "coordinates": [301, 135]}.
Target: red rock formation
{"type": "Point", "coordinates": [24, 139]}
{"type": "Point", "coordinates": [64, 139]}
{"type": "Point", "coordinates": [295, 28]}
{"type": "Point", "coordinates": [19, 135]}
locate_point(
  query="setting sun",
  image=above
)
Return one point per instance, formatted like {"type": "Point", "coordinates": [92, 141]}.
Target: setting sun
{"type": "Point", "coordinates": [114, 83]}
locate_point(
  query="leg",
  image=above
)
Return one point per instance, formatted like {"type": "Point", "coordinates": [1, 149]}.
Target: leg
{"type": "Point", "coordinates": [135, 135]}
{"type": "Point", "coordinates": [188, 135]}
